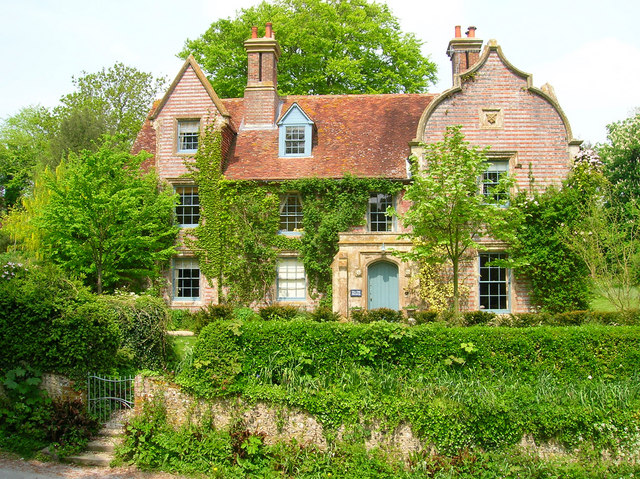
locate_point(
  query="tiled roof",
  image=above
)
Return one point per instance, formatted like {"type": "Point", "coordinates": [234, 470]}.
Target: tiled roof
{"type": "Point", "coordinates": [365, 135]}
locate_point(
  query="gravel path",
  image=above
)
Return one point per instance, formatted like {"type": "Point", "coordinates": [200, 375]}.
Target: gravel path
{"type": "Point", "coordinates": [12, 467]}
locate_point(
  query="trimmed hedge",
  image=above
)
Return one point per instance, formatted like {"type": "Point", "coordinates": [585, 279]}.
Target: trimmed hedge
{"type": "Point", "coordinates": [568, 353]}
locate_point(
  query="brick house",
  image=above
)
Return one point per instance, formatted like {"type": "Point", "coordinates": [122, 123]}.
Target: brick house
{"type": "Point", "coordinates": [268, 137]}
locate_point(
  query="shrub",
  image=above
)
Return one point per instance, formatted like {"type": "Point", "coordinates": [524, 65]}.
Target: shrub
{"type": "Point", "coordinates": [211, 313]}
{"type": "Point", "coordinates": [278, 312]}
{"type": "Point", "coordinates": [180, 319]}
{"type": "Point", "coordinates": [143, 322]}
{"type": "Point", "coordinates": [70, 427]}
{"type": "Point", "coordinates": [245, 314]}
{"type": "Point", "coordinates": [323, 314]}
{"type": "Point", "coordinates": [52, 322]}
{"type": "Point", "coordinates": [425, 317]}
{"type": "Point", "coordinates": [472, 318]}
{"type": "Point", "coordinates": [373, 315]}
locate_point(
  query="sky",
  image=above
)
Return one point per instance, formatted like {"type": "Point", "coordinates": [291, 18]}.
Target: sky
{"type": "Point", "coordinates": [588, 50]}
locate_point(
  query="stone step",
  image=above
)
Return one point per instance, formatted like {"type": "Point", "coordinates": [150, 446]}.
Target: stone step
{"type": "Point", "coordinates": [103, 444]}
{"type": "Point", "coordinates": [91, 458]}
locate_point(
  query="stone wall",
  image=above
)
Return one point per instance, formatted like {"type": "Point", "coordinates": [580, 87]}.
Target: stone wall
{"type": "Point", "coordinates": [278, 423]}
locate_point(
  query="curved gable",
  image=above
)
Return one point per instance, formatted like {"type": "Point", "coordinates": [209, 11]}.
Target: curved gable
{"type": "Point", "coordinates": [498, 107]}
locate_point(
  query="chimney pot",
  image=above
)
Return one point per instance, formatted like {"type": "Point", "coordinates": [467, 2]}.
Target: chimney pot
{"type": "Point", "coordinates": [471, 32]}
{"type": "Point", "coordinates": [269, 31]}
{"type": "Point", "coordinates": [254, 32]}
{"type": "Point", "coordinates": [458, 31]}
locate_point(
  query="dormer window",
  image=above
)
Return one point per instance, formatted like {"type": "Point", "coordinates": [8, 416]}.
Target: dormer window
{"type": "Point", "coordinates": [296, 130]}
{"type": "Point", "coordinates": [188, 133]}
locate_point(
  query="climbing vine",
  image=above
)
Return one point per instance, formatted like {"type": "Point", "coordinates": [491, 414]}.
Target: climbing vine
{"type": "Point", "coordinates": [329, 207]}
{"type": "Point", "coordinates": [237, 241]}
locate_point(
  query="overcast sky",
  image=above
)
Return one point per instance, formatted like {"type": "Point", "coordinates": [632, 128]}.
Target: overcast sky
{"type": "Point", "coordinates": [588, 50]}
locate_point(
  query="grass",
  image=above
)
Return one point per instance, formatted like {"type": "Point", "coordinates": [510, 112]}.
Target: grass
{"type": "Point", "coordinates": [601, 303]}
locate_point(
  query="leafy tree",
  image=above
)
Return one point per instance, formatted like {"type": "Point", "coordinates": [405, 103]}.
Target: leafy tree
{"type": "Point", "coordinates": [449, 212]}
{"type": "Point", "coordinates": [113, 101]}
{"type": "Point", "coordinates": [328, 47]}
{"type": "Point", "coordinates": [621, 158]}
{"type": "Point", "coordinates": [24, 144]}
{"type": "Point", "coordinates": [99, 216]}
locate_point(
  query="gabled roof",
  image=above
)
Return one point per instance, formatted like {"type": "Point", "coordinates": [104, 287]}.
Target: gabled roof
{"type": "Point", "coordinates": [294, 111]}
{"type": "Point", "coordinates": [363, 135]}
{"type": "Point", "coordinates": [458, 78]}
{"type": "Point", "coordinates": [191, 62]}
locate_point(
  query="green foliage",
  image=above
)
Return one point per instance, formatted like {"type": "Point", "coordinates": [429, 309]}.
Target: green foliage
{"type": "Point", "coordinates": [324, 314]}
{"type": "Point", "coordinates": [25, 411]}
{"type": "Point", "coordinates": [475, 387]}
{"type": "Point", "coordinates": [142, 321]}
{"type": "Point", "coordinates": [449, 212]}
{"type": "Point", "coordinates": [211, 313]}
{"type": "Point", "coordinates": [52, 322]}
{"type": "Point", "coordinates": [559, 278]}
{"type": "Point", "coordinates": [380, 314]}
{"type": "Point", "coordinates": [333, 47]}
{"type": "Point", "coordinates": [24, 146]}
{"type": "Point", "coordinates": [621, 157]}
{"type": "Point", "coordinates": [103, 218]}
{"type": "Point", "coordinates": [278, 312]}
{"type": "Point", "coordinates": [235, 239]}
{"type": "Point", "coordinates": [329, 207]}
{"type": "Point", "coordinates": [113, 101]}
{"type": "Point", "coordinates": [216, 359]}
{"type": "Point", "coordinates": [70, 427]}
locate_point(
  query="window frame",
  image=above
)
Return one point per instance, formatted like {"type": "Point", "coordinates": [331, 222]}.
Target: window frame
{"type": "Point", "coordinates": [177, 189]}
{"type": "Point", "coordinates": [180, 124]}
{"type": "Point", "coordinates": [286, 215]}
{"type": "Point", "coordinates": [391, 221]}
{"type": "Point", "coordinates": [291, 289]}
{"type": "Point", "coordinates": [182, 264]}
{"type": "Point", "coordinates": [503, 279]}
{"type": "Point", "coordinates": [496, 167]}
{"type": "Point", "coordinates": [296, 118]}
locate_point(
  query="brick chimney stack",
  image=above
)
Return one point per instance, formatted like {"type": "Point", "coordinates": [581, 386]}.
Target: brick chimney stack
{"type": "Point", "coordinates": [261, 94]}
{"type": "Point", "coordinates": [464, 51]}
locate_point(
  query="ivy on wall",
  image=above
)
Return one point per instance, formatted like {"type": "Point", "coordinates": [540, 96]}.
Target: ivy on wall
{"type": "Point", "coordinates": [237, 242]}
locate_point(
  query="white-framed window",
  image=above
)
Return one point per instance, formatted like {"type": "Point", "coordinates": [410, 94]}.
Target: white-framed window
{"type": "Point", "coordinates": [291, 281]}
{"type": "Point", "coordinates": [186, 279]}
{"type": "Point", "coordinates": [493, 284]}
{"type": "Point", "coordinates": [377, 218]}
{"type": "Point", "coordinates": [290, 213]}
{"type": "Point", "coordinates": [188, 207]}
{"type": "Point", "coordinates": [188, 135]}
{"type": "Point", "coordinates": [295, 133]}
{"type": "Point", "coordinates": [496, 170]}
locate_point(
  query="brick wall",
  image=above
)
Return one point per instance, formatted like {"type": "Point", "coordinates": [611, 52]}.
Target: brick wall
{"type": "Point", "coordinates": [531, 125]}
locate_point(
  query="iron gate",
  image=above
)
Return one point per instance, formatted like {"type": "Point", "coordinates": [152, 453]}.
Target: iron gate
{"type": "Point", "coordinates": [106, 395]}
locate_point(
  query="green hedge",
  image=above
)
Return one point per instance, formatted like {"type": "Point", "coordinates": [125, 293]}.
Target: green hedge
{"type": "Point", "coordinates": [568, 353]}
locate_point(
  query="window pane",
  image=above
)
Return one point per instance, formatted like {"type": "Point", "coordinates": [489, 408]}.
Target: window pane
{"type": "Point", "coordinates": [493, 287]}
{"type": "Point", "coordinates": [377, 214]}
{"type": "Point", "coordinates": [491, 178]}
{"type": "Point", "coordinates": [186, 281]}
{"type": "Point", "coordinates": [290, 213]}
{"type": "Point", "coordinates": [188, 132]}
{"type": "Point", "coordinates": [188, 208]}
{"type": "Point", "coordinates": [291, 280]}
{"type": "Point", "coordinates": [294, 141]}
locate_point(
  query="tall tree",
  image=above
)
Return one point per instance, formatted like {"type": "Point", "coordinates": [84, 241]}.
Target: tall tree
{"type": "Point", "coordinates": [449, 212]}
{"type": "Point", "coordinates": [101, 217]}
{"type": "Point", "coordinates": [113, 101]}
{"type": "Point", "coordinates": [24, 144]}
{"type": "Point", "coordinates": [621, 157]}
{"type": "Point", "coordinates": [328, 47]}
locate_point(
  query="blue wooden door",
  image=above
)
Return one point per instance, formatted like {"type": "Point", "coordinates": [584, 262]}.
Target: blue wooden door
{"type": "Point", "coordinates": [383, 285]}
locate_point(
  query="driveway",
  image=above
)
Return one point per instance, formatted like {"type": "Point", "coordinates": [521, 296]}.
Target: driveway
{"type": "Point", "coordinates": [12, 467]}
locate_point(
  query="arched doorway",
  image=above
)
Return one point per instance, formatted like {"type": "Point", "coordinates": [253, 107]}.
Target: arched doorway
{"type": "Point", "coordinates": [382, 285]}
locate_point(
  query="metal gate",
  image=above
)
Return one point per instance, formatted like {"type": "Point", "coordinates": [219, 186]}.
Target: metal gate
{"type": "Point", "coordinates": [106, 395]}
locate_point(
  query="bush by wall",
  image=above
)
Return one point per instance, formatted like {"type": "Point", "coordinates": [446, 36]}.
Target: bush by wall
{"type": "Point", "coordinates": [52, 322]}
